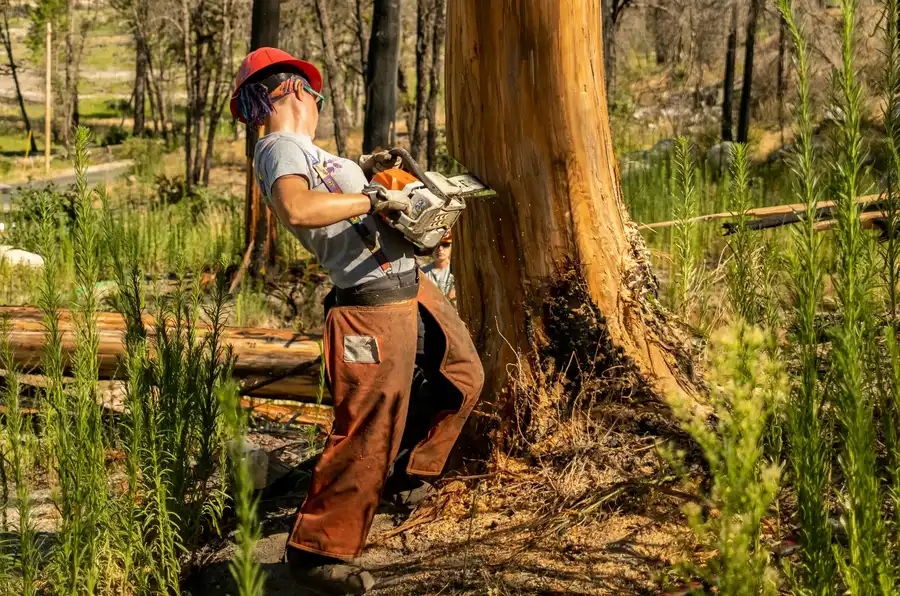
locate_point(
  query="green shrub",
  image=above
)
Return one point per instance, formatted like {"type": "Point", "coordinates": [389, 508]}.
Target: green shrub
{"type": "Point", "coordinates": [746, 385]}
{"type": "Point", "coordinates": [34, 207]}
{"type": "Point", "coordinates": [147, 155]}
{"type": "Point", "coordinates": [114, 135]}
{"type": "Point", "coordinates": [244, 567]}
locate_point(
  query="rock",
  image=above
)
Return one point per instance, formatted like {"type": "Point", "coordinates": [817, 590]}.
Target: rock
{"type": "Point", "coordinates": [16, 256]}
{"type": "Point", "coordinates": [661, 150]}
{"type": "Point", "coordinates": [834, 114]}
{"type": "Point", "coordinates": [258, 461]}
{"type": "Point", "coordinates": [719, 156]}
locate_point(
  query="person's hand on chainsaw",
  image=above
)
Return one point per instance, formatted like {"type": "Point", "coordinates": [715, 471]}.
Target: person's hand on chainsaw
{"type": "Point", "coordinates": [378, 162]}
{"type": "Point", "coordinates": [386, 201]}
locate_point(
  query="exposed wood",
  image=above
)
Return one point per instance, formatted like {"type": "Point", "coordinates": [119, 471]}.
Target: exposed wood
{"type": "Point", "coordinates": [869, 221]}
{"type": "Point", "coordinates": [293, 414]}
{"type": "Point", "coordinates": [321, 415]}
{"type": "Point", "coordinates": [553, 259]}
{"type": "Point", "coordinates": [260, 353]}
{"type": "Point", "coordinates": [758, 212]}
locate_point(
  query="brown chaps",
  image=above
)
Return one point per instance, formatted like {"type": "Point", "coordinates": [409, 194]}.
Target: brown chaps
{"type": "Point", "coordinates": [370, 354]}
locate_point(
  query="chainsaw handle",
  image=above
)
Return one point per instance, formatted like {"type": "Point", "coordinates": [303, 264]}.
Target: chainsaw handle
{"type": "Point", "coordinates": [415, 169]}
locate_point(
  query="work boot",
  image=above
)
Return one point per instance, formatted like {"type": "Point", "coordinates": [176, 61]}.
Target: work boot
{"type": "Point", "coordinates": [327, 576]}
{"type": "Point", "coordinates": [403, 490]}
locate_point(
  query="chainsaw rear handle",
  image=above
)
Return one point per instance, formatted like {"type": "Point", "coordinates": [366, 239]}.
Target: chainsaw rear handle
{"type": "Point", "coordinates": [415, 169]}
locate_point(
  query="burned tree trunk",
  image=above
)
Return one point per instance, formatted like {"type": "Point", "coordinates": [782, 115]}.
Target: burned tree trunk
{"type": "Point", "coordinates": [335, 79]}
{"type": "Point", "coordinates": [424, 30]}
{"type": "Point", "coordinates": [728, 84]}
{"type": "Point", "coordinates": [259, 223]}
{"type": "Point", "coordinates": [381, 75]}
{"type": "Point", "coordinates": [437, 65]}
{"type": "Point", "coordinates": [553, 266]}
{"type": "Point", "coordinates": [747, 87]}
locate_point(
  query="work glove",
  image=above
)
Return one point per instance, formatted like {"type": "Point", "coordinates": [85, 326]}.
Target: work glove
{"type": "Point", "coordinates": [386, 201]}
{"type": "Point", "coordinates": [378, 162]}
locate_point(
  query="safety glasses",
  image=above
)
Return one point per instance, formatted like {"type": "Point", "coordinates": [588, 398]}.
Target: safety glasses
{"type": "Point", "coordinates": [320, 99]}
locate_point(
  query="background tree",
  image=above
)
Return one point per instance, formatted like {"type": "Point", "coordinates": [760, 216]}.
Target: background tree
{"type": "Point", "coordinates": [208, 51]}
{"type": "Point", "coordinates": [558, 234]}
{"type": "Point", "coordinates": [611, 17]}
{"type": "Point", "coordinates": [663, 25]}
{"type": "Point", "coordinates": [747, 86]}
{"type": "Point", "coordinates": [381, 75]}
{"type": "Point", "coordinates": [436, 75]}
{"type": "Point", "coordinates": [335, 79]}
{"type": "Point", "coordinates": [728, 83]}
{"type": "Point", "coordinates": [424, 31]}
{"type": "Point", "coordinates": [70, 27]}
{"type": "Point", "coordinates": [6, 39]}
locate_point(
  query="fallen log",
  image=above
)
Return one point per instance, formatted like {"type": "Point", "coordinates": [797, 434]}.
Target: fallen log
{"type": "Point", "coordinates": [761, 212]}
{"type": "Point", "coordinates": [269, 362]}
{"type": "Point", "coordinates": [295, 414]}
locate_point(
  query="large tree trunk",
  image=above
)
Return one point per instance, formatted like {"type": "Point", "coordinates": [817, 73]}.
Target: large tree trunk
{"type": "Point", "coordinates": [437, 65]}
{"type": "Point", "coordinates": [7, 42]}
{"type": "Point", "coordinates": [728, 84]}
{"type": "Point", "coordinates": [381, 75]}
{"type": "Point", "coordinates": [335, 79]}
{"type": "Point", "coordinates": [553, 265]}
{"type": "Point", "coordinates": [747, 87]}
{"type": "Point", "coordinates": [424, 31]}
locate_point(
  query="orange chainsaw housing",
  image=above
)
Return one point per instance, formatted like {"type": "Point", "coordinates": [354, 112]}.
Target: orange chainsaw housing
{"type": "Point", "coordinates": [394, 178]}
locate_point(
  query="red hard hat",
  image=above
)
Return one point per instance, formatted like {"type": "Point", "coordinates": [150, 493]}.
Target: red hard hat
{"type": "Point", "coordinates": [263, 58]}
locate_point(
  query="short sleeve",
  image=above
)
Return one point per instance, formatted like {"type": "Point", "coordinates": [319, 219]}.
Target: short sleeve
{"type": "Point", "coordinates": [281, 158]}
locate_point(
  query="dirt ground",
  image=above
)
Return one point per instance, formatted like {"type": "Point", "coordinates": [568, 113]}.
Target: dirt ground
{"type": "Point", "coordinates": [601, 522]}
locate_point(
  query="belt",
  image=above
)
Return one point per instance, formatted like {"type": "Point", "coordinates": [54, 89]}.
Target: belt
{"type": "Point", "coordinates": [392, 288]}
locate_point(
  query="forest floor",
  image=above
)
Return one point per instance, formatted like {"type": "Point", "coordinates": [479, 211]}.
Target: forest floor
{"type": "Point", "coordinates": [599, 521]}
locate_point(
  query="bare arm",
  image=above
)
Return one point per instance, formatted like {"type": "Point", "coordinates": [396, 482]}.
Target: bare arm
{"type": "Point", "coordinates": [298, 206]}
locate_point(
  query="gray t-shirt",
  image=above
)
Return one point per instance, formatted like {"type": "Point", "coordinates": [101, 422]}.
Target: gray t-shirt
{"type": "Point", "coordinates": [442, 278]}
{"type": "Point", "coordinates": [338, 247]}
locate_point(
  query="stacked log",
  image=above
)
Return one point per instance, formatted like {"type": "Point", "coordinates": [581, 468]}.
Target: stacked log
{"type": "Point", "coordinates": [270, 363]}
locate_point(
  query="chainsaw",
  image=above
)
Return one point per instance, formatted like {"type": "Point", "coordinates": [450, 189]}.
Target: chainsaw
{"type": "Point", "coordinates": [436, 201]}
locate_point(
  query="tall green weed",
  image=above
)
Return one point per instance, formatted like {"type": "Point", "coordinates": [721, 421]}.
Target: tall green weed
{"type": "Point", "coordinates": [810, 454]}
{"type": "Point", "coordinates": [746, 386]}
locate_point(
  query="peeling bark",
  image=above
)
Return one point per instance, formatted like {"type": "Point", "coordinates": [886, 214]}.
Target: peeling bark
{"type": "Point", "coordinates": [553, 265]}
